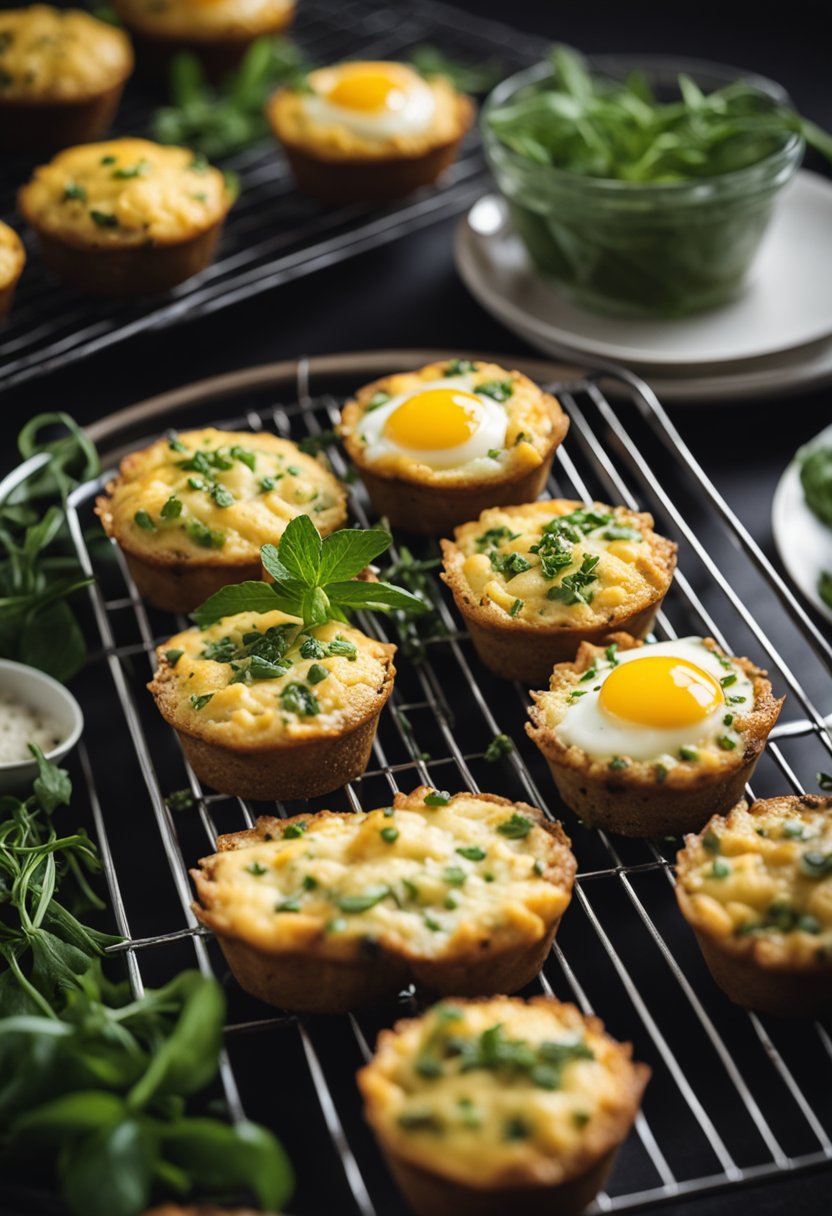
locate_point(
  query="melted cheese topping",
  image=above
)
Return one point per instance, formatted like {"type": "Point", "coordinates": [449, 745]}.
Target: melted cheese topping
{"type": "Point", "coordinates": [191, 19]}
{"type": "Point", "coordinates": [439, 1098]}
{"type": "Point", "coordinates": [501, 568]}
{"type": "Point", "coordinates": [533, 420]}
{"type": "Point", "coordinates": [570, 712]}
{"type": "Point", "coordinates": [236, 490]}
{"type": "Point", "coordinates": [12, 255]}
{"type": "Point", "coordinates": [296, 122]}
{"type": "Point", "coordinates": [764, 875]}
{"type": "Point", "coordinates": [414, 878]}
{"type": "Point", "coordinates": [221, 690]}
{"type": "Point", "coordinates": [125, 192]}
{"type": "Point", "coordinates": [59, 54]}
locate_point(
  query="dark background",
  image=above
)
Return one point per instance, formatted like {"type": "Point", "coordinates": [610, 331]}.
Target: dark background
{"type": "Point", "coordinates": [408, 294]}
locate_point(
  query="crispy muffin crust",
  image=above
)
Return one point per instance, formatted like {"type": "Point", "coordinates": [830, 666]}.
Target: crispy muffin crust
{"type": "Point", "coordinates": [334, 163]}
{"type": "Point", "coordinates": [473, 1164]}
{"type": "Point", "coordinates": [381, 899]}
{"type": "Point", "coordinates": [418, 498]}
{"type": "Point", "coordinates": [647, 798]}
{"type": "Point", "coordinates": [173, 569]}
{"type": "Point", "coordinates": [220, 32]}
{"type": "Point", "coordinates": [281, 730]}
{"type": "Point", "coordinates": [62, 73]}
{"type": "Point", "coordinates": [12, 261]}
{"type": "Point", "coordinates": [126, 216]}
{"type": "Point", "coordinates": [519, 632]}
{"type": "Point", "coordinates": [756, 888]}
{"type": "Point", "coordinates": [51, 55]}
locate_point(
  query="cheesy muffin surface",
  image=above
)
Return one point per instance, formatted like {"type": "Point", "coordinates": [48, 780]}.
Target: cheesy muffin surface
{"type": "Point", "coordinates": [369, 110]}
{"type": "Point", "coordinates": [501, 1092]}
{"type": "Point", "coordinates": [217, 496]}
{"type": "Point", "coordinates": [258, 680]}
{"type": "Point", "coordinates": [453, 424]}
{"type": "Point", "coordinates": [125, 193]}
{"type": "Point", "coordinates": [195, 19]}
{"type": "Point", "coordinates": [665, 712]}
{"type": "Point", "coordinates": [759, 882]}
{"type": "Point", "coordinates": [560, 563]}
{"type": "Point", "coordinates": [12, 256]}
{"type": "Point", "coordinates": [431, 876]}
{"type": "Point", "coordinates": [50, 54]}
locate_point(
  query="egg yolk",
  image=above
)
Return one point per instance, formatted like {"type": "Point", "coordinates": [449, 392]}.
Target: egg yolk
{"type": "Point", "coordinates": [661, 691]}
{"type": "Point", "coordinates": [366, 90]}
{"type": "Point", "coordinates": [435, 420]}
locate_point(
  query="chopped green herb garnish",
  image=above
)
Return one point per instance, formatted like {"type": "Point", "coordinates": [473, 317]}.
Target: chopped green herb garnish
{"type": "Point", "coordinates": [296, 698]}
{"type": "Point", "coordinates": [719, 869]}
{"type": "Point", "coordinates": [173, 656]}
{"type": "Point", "coordinates": [726, 743]}
{"type": "Point", "coordinates": [517, 827]}
{"type": "Point", "coordinates": [498, 390]}
{"type": "Point", "coordinates": [140, 169]}
{"type": "Point", "coordinates": [575, 588]}
{"type": "Point", "coordinates": [455, 876]}
{"type": "Point", "coordinates": [499, 746]}
{"type": "Point", "coordinates": [143, 520]}
{"type": "Point", "coordinates": [710, 841]}
{"type": "Point", "coordinates": [688, 753]}
{"type": "Point", "coordinates": [362, 903]}
{"type": "Point", "coordinates": [515, 607]}
{"type": "Point", "coordinates": [377, 401]}
{"type": "Point", "coordinates": [172, 508]}
{"type": "Point", "coordinates": [310, 883]}
{"type": "Point", "coordinates": [618, 762]}
{"type": "Point", "coordinates": [621, 532]}
{"type": "Point", "coordinates": [316, 673]}
{"type": "Point", "coordinates": [203, 536]}
{"type": "Point", "coordinates": [104, 219]}
{"type": "Point", "coordinates": [816, 865]}
{"type": "Point", "coordinates": [460, 367]}
{"type": "Point", "coordinates": [389, 835]}
{"type": "Point", "coordinates": [257, 869]}
{"type": "Point", "coordinates": [727, 681]}
{"type": "Point", "coordinates": [75, 193]}
{"type": "Point", "coordinates": [293, 831]}
{"type": "Point", "coordinates": [199, 702]}
{"type": "Point", "coordinates": [472, 852]}
{"type": "Point", "coordinates": [437, 798]}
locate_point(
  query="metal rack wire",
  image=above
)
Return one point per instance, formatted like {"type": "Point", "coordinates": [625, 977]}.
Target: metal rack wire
{"type": "Point", "coordinates": [273, 234]}
{"type": "Point", "coordinates": [735, 1097]}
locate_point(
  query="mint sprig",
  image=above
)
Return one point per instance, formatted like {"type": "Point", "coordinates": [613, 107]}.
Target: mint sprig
{"type": "Point", "coordinates": [314, 579]}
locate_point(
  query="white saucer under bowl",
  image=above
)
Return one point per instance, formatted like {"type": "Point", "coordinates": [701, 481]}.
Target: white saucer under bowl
{"type": "Point", "coordinates": [803, 542]}
{"type": "Point", "coordinates": [785, 309]}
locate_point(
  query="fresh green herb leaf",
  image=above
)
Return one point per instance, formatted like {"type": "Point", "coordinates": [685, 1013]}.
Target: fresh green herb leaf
{"type": "Point", "coordinates": [460, 367]}
{"type": "Point", "coordinates": [363, 902]}
{"type": "Point", "coordinates": [143, 520]}
{"type": "Point", "coordinates": [199, 701]}
{"type": "Point", "coordinates": [472, 852]}
{"type": "Point", "coordinates": [173, 656]}
{"type": "Point", "coordinates": [297, 699]}
{"type": "Point", "coordinates": [437, 798]}
{"type": "Point", "coordinates": [104, 219]}
{"type": "Point", "coordinates": [517, 827]}
{"type": "Point", "coordinates": [172, 509]}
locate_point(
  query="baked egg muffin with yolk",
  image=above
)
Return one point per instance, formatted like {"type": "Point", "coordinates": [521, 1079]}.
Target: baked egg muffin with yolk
{"type": "Point", "coordinates": [435, 446]}
{"type": "Point", "coordinates": [652, 740]}
{"type": "Point", "coordinates": [367, 130]}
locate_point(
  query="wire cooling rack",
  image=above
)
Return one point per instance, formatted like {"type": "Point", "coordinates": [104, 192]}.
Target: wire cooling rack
{"type": "Point", "coordinates": [734, 1097]}
{"type": "Point", "coordinates": [273, 234]}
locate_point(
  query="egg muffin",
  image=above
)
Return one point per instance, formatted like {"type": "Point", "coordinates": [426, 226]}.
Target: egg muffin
{"type": "Point", "coordinates": [330, 912]}
{"type": "Point", "coordinates": [436, 446]}
{"type": "Point", "coordinates": [266, 709]}
{"type": "Point", "coordinates": [12, 261]}
{"type": "Point", "coordinates": [62, 74]}
{"type": "Point", "coordinates": [756, 887]}
{"type": "Point", "coordinates": [652, 740]}
{"type": "Point", "coordinates": [369, 131]}
{"type": "Point", "coordinates": [127, 216]}
{"type": "Point", "coordinates": [534, 581]}
{"type": "Point", "coordinates": [218, 32]}
{"type": "Point", "coordinates": [191, 511]}
{"type": "Point", "coordinates": [488, 1107]}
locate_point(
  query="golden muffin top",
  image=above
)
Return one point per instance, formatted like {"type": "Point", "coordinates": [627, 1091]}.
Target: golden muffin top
{"type": "Point", "coordinates": [560, 562]}
{"type": "Point", "coordinates": [761, 880]}
{"type": "Point", "coordinates": [369, 109]}
{"type": "Point", "coordinates": [12, 255]}
{"type": "Point", "coordinates": [125, 192]}
{"type": "Point", "coordinates": [431, 875]}
{"type": "Point", "coordinates": [217, 496]}
{"type": "Point", "coordinates": [662, 712]}
{"type": "Point", "coordinates": [259, 680]}
{"type": "Point", "coordinates": [452, 423]}
{"type": "Point", "coordinates": [51, 54]}
{"type": "Point", "coordinates": [501, 1091]}
{"type": "Point", "coordinates": [207, 18]}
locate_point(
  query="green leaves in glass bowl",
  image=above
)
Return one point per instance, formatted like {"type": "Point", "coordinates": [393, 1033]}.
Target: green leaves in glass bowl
{"type": "Point", "coordinates": [315, 579]}
{"type": "Point", "coordinates": [599, 126]}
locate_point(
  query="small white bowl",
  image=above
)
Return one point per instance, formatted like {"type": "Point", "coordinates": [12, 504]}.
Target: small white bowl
{"type": "Point", "coordinates": [45, 696]}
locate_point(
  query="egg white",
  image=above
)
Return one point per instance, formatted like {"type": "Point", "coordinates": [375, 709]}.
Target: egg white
{"type": "Point", "coordinates": [413, 116]}
{"type": "Point", "coordinates": [473, 454]}
{"type": "Point", "coordinates": [588, 726]}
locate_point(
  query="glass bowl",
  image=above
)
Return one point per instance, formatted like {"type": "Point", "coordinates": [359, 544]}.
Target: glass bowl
{"type": "Point", "coordinates": [653, 249]}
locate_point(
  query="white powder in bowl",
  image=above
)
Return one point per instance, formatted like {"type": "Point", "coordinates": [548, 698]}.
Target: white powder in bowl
{"type": "Point", "coordinates": [20, 726]}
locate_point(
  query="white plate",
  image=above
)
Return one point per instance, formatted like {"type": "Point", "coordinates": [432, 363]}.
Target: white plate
{"type": "Point", "coordinates": [803, 542]}
{"type": "Point", "coordinates": [787, 303]}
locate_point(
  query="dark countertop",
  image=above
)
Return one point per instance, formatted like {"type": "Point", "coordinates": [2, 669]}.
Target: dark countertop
{"type": "Point", "coordinates": [409, 295]}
